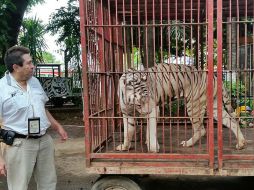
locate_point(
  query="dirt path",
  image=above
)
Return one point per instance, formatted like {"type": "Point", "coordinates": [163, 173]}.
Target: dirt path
{"type": "Point", "coordinates": [70, 162]}
{"type": "Point", "coordinates": [71, 172]}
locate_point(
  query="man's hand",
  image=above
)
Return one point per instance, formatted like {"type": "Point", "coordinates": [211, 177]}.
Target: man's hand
{"type": "Point", "coordinates": [63, 134]}
{"type": "Point", "coordinates": [2, 167]}
{"type": "Point", "coordinates": [57, 126]}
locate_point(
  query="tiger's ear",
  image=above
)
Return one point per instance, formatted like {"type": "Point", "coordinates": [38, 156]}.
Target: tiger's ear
{"type": "Point", "coordinates": [143, 78]}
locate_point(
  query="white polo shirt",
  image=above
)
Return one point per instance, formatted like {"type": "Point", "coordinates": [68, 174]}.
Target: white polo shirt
{"type": "Point", "coordinates": [17, 105]}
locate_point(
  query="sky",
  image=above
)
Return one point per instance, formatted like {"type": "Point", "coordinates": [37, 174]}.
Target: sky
{"type": "Point", "coordinates": [43, 12]}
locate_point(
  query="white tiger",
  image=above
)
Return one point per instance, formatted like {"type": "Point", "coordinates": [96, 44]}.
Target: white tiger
{"type": "Point", "coordinates": [142, 91]}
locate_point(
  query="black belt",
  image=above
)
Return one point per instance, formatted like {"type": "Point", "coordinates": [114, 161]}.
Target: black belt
{"type": "Point", "coordinates": [27, 136]}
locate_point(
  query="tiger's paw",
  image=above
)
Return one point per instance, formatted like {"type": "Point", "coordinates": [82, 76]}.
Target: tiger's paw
{"type": "Point", "coordinates": [186, 144]}
{"type": "Point", "coordinates": [153, 150]}
{"type": "Point", "coordinates": [123, 147]}
{"type": "Point", "coordinates": [241, 144]}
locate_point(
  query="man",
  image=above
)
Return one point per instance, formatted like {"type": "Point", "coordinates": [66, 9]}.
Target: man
{"type": "Point", "coordinates": [23, 113]}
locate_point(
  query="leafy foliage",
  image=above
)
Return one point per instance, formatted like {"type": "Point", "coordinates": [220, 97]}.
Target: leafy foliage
{"type": "Point", "coordinates": [11, 15]}
{"type": "Point", "coordinates": [2, 70]}
{"type": "Point", "coordinates": [66, 23]}
{"type": "Point", "coordinates": [32, 36]}
{"type": "Point", "coordinates": [48, 57]}
{"type": "Point", "coordinates": [4, 5]}
{"type": "Point", "coordinates": [236, 89]}
{"type": "Point", "coordinates": [4, 36]}
{"type": "Point", "coordinates": [32, 3]}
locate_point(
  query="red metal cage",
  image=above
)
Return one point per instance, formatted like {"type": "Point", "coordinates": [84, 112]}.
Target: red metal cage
{"type": "Point", "coordinates": [216, 37]}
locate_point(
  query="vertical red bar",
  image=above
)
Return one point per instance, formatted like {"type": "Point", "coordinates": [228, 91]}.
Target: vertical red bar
{"type": "Point", "coordinates": [139, 49]}
{"type": "Point", "coordinates": [185, 73]}
{"type": "Point", "coordinates": [83, 15]}
{"type": "Point", "coordinates": [169, 25]}
{"type": "Point", "coordinates": [198, 45]}
{"type": "Point", "coordinates": [161, 61]}
{"type": "Point", "coordinates": [126, 64]}
{"type": "Point", "coordinates": [154, 25]}
{"type": "Point", "coordinates": [132, 36]}
{"type": "Point", "coordinates": [246, 73]}
{"type": "Point", "coordinates": [219, 81]}
{"type": "Point", "coordinates": [146, 46]}
{"type": "Point", "coordinates": [252, 64]}
{"type": "Point", "coordinates": [210, 82]}
{"type": "Point", "coordinates": [237, 69]}
{"type": "Point", "coordinates": [102, 67]}
{"type": "Point", "coordinates": [110, 83]}
{"type": "Point", "coordinates": [176, 41]}
{"type": "Point", "coordinates": [198, 38]}
{"type": "Point", "coordinates": [169, 55]}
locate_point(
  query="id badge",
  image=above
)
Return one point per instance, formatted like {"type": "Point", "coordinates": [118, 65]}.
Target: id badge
{"type": "Point", "coordinates": [34, 126]}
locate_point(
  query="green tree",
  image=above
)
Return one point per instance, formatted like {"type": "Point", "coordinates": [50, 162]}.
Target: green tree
{"type": "Point", "coordinates": [4, 5]}
{"type": "Point", "coordinates": [32, 36]}
{"type": "Point", "coordinates": [32, 3]}
{"type": "Point", "coordinates": [11, 16]}
{"type": "Point", "coordinates": [66, 23]}
{"type": "Point", "coordinates": [4, 36]}
{"type": "Point", "coordinates": [48, 57]}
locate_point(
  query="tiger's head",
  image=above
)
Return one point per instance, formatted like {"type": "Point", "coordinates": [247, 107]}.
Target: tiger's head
{"type": "Point", "coordinates": [134, 87]}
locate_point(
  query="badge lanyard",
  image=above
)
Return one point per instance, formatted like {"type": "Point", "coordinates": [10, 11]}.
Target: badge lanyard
{"type": "Point", "coordinates": [33, 122]}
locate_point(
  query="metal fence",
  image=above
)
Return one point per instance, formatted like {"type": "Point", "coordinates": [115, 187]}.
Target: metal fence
{"type": "Point", "coordinates": [197, 58]}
